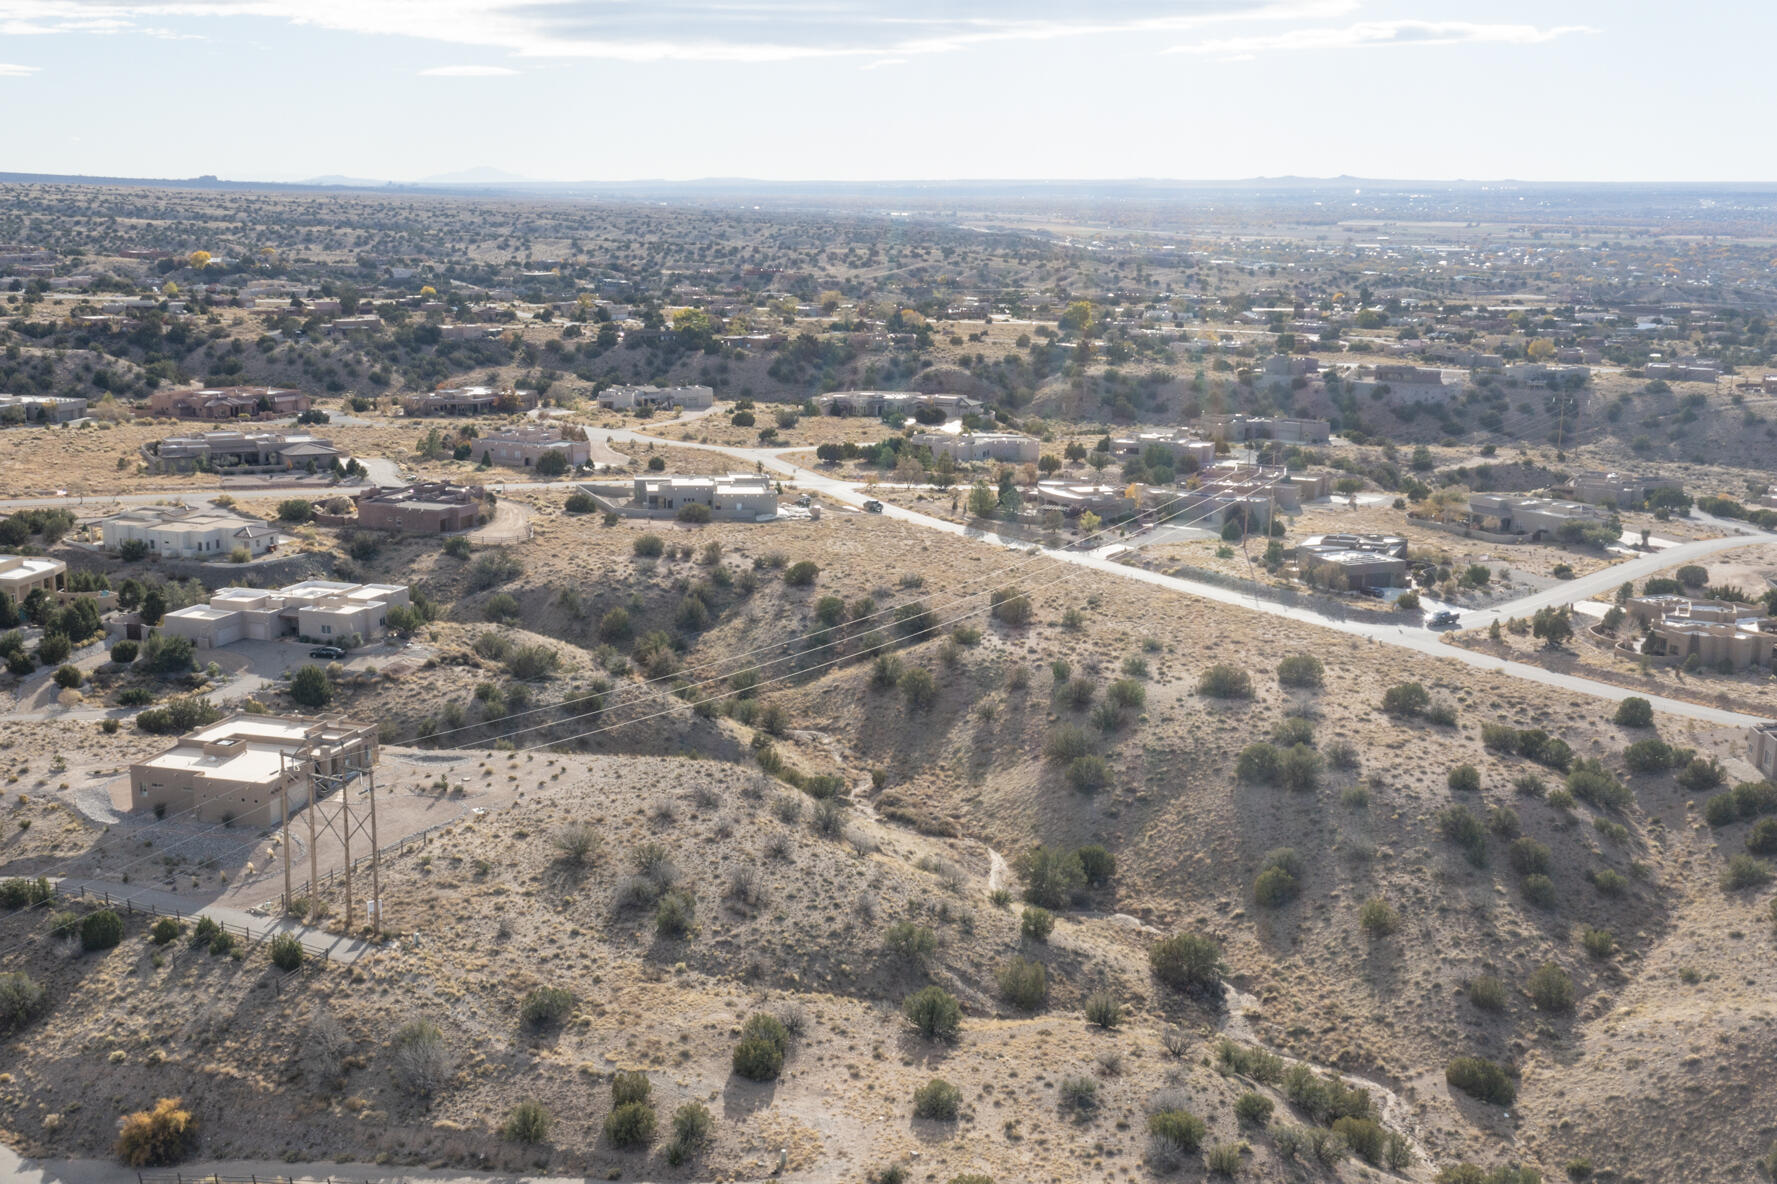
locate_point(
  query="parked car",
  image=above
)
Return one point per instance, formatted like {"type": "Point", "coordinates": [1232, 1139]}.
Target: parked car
{"type": "Point", "coordinates": [329, 652]}
{"type": "Point", "coordinates": [872, 507]}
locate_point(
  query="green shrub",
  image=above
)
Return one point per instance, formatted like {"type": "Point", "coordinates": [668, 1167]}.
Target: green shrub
{"type": "Point", "coordinates": [1325, 1099]}
{"type": "Point", "coordinates": [1743, 871]}
{"type": "Point", "coordinates": [1225, 682]}
{"type": "Point", "coordinates": [20, 893]}
{"type": "Point", "coordinates": [1104, 1010]}
{"type": "Point", "coordinates": [1024, 983]}
{"type": "Point", "coordinates": [1465, 779]}
{"type": "Point", "coordinates": [1550, 988]}
{"type": "Point", "coordinates": [1487, 993]}
{"type": "Point", "coordinates": [528, 1122]}
{"type": "Point", "coordinates": [1301, 670]}
{"type": "Point", "coordinates": [1599, 943]}
{"type": "Point", "coordinates": [801, 574]}
{"type": "Point", "coordinates": [1365, 1136]}
{"type": "Point", "coordinates": [910, 942]}
{"type": "Point", "coordinates": [309, 686]}
{"type": "Point", "coordinates": [628, 1087]}
{"type": "Point", "coordinates": [1186, 962]}
{"type": "Point", "coordinates": [1481, 1078]}
{"type": "Point", "coordinates": [1378, 917]}
{"type": "Point", "coordinates": [1098, 864]}
{"type": "Point", "coordinates": [21, 1000]}
{"type": "Point", "coordinates": [691, 1126]}
{"type": "Point", "coordinates": [675, 914]}
{"type": "Point", "coordinates": [648, 546]}
{"type": "Point", "coordinates": [1651, 755]}
{"type": "Point", "coordinates": [1180, 1128]}
{"type": "Point", "coordinates": [934, 1011]}
{"type": "Point", "coordinates": [1634, 712]}
{"type": "Point", "coordinates": [937, 1099]}
{"type": "Point", "coordinates": [1406, 699]}
{"type": "Point", "coordinates": [630, 1125]}
{"type": "Point", "coordinates": [165, 930]}
{"type": "Point", "coordinates": [1088, 774]}
{"type": "Point", "coordinates": [1459, 825]}
{"type": "Point", "coordinates": [1257, 1063]}
{"type": "Point", "coordinates": [286, 952]}
{"type": "Point", "coordinates": [1036, 923]}
{"type": "Point", "coordinates": [1762, 838]}
{"type": "Point", "coordinates": [1528, 857]}
{"type": "Point", "coordinates": [124, 652]}
{"type": "Point", "coordinates": [545, 1006]}
{"type": "Point", "coordinates": [1539, 890]}
{"type": "Point", "coordinates": [1275, 887]}
{"type": "Point", "coordinates": [1299, 769]}
{"type": "Point", "coordinates": [100, 930]}
{"type": "Point", "coordinates": [1701, 776]}
{"type": "Point", "coordinates": [1079, 1094]}
{"type": "Point", "coordinates": [764, 1042]}
{"type": "Point", "coordinates": [1260, 764]}
{"type": "Point", "coordinates": [1253, 1108]}
{"type": "Point", "coordinates": [1051, 877]}
{"type": "Point", "coordinates": [1224, 1159]}
{"type": "Point", "coordinates": [919, 687]}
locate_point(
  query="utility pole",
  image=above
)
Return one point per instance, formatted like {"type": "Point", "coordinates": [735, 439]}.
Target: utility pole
{"type": "Point", "coordinates": [284, 794]}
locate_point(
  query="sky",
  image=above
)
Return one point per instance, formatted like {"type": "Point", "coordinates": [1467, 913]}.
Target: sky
{"type": "Point", "coordinates": [610, 90]}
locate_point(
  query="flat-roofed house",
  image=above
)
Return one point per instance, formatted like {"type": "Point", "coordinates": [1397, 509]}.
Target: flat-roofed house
{"type": "Point", "coordinates": [429, 507]}
{"type": "Point", "coordinates": [228, 402]}
{"type": "Point", "coordinates": [242, 452]}
{"type": "Point", "coordinates": [1715, 632]}
{"type": "Point", "coordinates": [742, 497]}
{"type": "Point", "coordinates": [469, 400]}
{"type": "Point", "coordinates": [1761, 749]}
{"type": "Point", "coordinates": [522, 448]}
{"type": "Point", "coordinates": [22, 409]}
{"type": "Point", "coordinates": [628, 398]}
{"type": "Point", "coordinates": [1534, 516]}
{"type": "Point", "coordinates": [181, 532]}
{"type": "Point", "coordinates": [327, 611]}
{"type": "Point", "coordinates": [21, 575]}
{"type": "Point", "coordinates": [240, 769]}
{"type": "Point", "coordinates": [968, 447]}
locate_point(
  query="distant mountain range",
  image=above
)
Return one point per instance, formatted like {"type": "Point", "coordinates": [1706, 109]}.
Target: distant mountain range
{"type": "Point", "coordinates": [486, 179]}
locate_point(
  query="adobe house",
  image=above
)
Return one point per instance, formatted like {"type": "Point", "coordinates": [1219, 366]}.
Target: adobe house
{"type": "Point", "coordinates": [238, 769]}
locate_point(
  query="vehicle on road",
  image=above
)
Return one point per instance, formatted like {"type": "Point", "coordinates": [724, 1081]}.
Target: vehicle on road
{"type": "Point", "coordinates": [872, 507]}
{"type": "Point", "coordinates": [329, 652]}
{"type": "Point", "coordinates": [1444, 619]}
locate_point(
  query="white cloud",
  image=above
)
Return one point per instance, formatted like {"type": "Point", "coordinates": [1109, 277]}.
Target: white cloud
{"type": "Point", "coordinates": [683, 30]}
{"type": "Point", "coordinates": [467, 72]}
{"type": "Point", "coordinates": [8, 70]}
{"type": "Point", "coordinates": [877, 65]}
{"type": "Point", "coordinates": [1377, 34]}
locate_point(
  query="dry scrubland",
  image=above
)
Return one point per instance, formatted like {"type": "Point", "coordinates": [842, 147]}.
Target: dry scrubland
{"type": "Point", "coordinates": [796, 910]}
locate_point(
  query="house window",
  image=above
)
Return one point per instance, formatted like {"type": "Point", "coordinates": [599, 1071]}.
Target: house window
{"type": "Point", "coordinates": [327, 628]}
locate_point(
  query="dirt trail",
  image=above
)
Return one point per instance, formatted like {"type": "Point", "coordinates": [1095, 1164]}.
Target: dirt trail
{"type": "Point", "coordinates": [1393, 1110]}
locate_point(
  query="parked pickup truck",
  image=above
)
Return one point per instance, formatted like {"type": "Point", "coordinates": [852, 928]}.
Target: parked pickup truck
{"type": "Point", "coordinates": [872, 507]}
{"type": "Point", "coordinates": [1444, 619]}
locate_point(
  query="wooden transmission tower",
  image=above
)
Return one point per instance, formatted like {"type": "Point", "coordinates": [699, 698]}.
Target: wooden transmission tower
{"type": "Point", "coordinates": [342, 817]}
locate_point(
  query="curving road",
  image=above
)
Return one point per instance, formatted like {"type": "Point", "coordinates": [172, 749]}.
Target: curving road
{"type": "Point", "coordinates": [1417, 639]}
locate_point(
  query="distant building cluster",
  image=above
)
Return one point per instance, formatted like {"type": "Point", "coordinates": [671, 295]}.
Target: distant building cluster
{"type": "Point", "coordinates": [1353, 561]}
{"type": "Point", "coordinates": [1537, 517]}
{"type": "Point", "coordinates": [522, 448]}
{"type": "Point", "coordinates": [1232, 429]}
{"type": "Point", "coordinates": [740, 497]}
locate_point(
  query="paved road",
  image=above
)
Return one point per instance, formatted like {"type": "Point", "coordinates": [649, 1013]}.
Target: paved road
{"type": "Point", "coordinates": [16, 1169]}
{"type": "Point", "coordinates": [1415, 638]}
{"type": "Point", "coordinates": [316, 941]}
{"type": "Point", "coordinates": [774, 460]}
